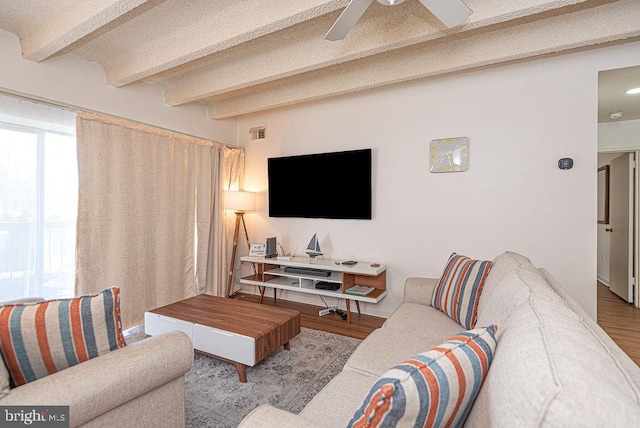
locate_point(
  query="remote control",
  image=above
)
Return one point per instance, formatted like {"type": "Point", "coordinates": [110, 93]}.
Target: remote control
{"type": "Point", "coordinates": [350, 262]}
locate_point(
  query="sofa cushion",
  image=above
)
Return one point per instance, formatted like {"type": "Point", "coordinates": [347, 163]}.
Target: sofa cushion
{"type": "Point", "coordinates": [386, 347]}
{"type": "Point", "coordinates": [550, 369]}
{"type": "Point", "coordinates": [38, 339]}
{"type": "Point", "coordinates": [499, 300]}
{"type": "Point", "coordinates": [503, 264]}
{"type": "Point", "coordinates": [421, 320]}
{"type": "Point", "coordinates": [266, 414]}
{"type": "Point", "coordinates": [339, 399]}
{"type": "Point", "coordinates": [458, 291]}
{"type": "Point", "coordinates": [435, 388]}
{"type": "Point", "coordinates": [626, 364]}
{"type": "Point", "coordinates": [511, 279]}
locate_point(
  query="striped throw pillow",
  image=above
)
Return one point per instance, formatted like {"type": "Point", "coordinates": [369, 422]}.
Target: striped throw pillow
{"type": "Point", "coordinates": [458, 292]}
{"type": "Point", "coordinates": [432, 389]}
{"type": "Point", "coordinates": [38, 339]}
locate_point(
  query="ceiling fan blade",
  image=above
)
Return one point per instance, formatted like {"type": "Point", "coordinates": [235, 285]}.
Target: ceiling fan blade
{"type": "Point", "coordinates": [347, 19]}
{"type": "Point", "coordinates": [450, 12]}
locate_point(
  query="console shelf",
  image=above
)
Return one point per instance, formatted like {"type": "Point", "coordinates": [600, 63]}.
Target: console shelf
{"type": "Point", "coordinates": [271, 273]}
{"type": "Point", "coordinates": [335, 277]}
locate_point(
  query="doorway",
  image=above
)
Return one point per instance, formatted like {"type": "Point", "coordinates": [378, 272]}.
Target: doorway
{"type": "Point", "coordinates": [619, 153]}
{"type": "Point", "coordinates": [617, 223]}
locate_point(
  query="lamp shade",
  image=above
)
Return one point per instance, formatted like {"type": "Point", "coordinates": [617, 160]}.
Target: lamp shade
{"type": "Point", "coordinates": [239, 201]}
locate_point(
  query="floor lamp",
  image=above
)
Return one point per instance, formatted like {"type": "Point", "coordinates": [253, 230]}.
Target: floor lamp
{"type": "Point", "coordinates": [238, 202]}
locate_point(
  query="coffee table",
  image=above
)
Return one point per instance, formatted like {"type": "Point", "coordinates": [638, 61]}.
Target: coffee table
{"type": "Point", "coordinates": [238, 332]}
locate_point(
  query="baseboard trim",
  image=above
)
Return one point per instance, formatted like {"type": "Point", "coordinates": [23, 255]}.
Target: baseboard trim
{"type": "Point", "coordinates": [604, 281]}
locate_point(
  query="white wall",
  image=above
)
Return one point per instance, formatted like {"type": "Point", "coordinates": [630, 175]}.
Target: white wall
{"type": "Point", "coordinates": [624, 135]}
{"type": "Point", "coordinates": [520, 119]}
{"type": "Point", "coordinates": [69, 80]}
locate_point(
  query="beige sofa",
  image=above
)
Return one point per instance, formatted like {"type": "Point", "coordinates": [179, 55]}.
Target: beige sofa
{"type": "Point", "coordinates": [553, 366]}
{"type": "Point", "coordinates": [140, 385]}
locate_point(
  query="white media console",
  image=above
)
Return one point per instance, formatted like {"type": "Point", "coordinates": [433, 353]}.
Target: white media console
{"type": "Point", "coordinates": [271, 273]}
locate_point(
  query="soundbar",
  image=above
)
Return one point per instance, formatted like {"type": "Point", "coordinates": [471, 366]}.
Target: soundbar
{"type": "Point", "coordinates": [307, 271]}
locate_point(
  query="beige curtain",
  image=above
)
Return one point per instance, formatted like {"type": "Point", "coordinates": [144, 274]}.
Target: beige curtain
{"type": "Point", "coordinates": [215, 251]}
{"type": "Point", "coordinates": [148, 199]}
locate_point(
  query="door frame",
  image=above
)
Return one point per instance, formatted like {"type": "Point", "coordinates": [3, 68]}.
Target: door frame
{"type": "Point", "coordinates": [635, 232]}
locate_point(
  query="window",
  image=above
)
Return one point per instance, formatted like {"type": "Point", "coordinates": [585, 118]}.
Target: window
{"type": "Point", "coordinates": [38, 199]}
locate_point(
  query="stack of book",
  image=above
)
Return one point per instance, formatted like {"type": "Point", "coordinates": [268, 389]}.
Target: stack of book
{"type": "Point", "coordinates": [359, 290]}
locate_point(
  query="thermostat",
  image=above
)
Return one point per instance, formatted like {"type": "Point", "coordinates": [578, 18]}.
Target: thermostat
{"type": "Point", "coordinates": [565, 163]}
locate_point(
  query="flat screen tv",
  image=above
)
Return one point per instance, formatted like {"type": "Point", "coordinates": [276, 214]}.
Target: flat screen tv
{"type": "Point", "coordinates": [324, 185]}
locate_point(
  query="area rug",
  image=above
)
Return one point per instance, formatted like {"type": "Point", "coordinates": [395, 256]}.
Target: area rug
{"type": "Point", "coordinates": [287, 380]}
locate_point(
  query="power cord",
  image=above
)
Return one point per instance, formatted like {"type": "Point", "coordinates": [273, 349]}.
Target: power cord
{"type": "Point", "coordinates": [340, 312]}
{"type": "Point", "coordinates": [325, 303]}
{"type": "Point", "coordinates": [335, 309]}
{"type": "Point", "coordinates": [284, 253]}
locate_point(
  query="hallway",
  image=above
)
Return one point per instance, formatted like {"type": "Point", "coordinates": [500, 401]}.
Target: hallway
{"type": "Point", "coordinates": [620, 320]}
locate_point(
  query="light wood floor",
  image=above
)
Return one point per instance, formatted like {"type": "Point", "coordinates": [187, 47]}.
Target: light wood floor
{"type": "Point", "coordinates": [360, 327]}
{"type": "Point", "coordinates": [620, 320]}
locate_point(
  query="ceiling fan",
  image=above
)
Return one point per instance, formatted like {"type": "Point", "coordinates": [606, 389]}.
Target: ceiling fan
{"type": "Point", "coordinates": [450, 12]}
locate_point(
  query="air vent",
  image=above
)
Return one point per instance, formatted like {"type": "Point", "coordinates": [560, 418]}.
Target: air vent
{"type": "Point", "coordinates": [258, 133]}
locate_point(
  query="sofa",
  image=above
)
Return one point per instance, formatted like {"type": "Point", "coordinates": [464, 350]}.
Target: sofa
{"type": "Point", "coordinates": [141, 384]}
{"type": "Point", "coordinates": [552, 366]}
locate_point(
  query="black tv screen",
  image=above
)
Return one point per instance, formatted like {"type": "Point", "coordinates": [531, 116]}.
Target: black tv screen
{"type": "Point", "coordinates": [324, 185]}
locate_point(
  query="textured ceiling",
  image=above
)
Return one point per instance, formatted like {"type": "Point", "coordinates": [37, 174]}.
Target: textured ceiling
{"type": "Point", "coordinates": [244, 56]}
{"type": "Point", "coordinates": [612, 94]}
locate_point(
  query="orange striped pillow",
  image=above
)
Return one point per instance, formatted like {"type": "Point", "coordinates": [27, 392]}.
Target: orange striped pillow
{"type": "Point", "coordinates": [458, 292]}
{"type": "Point", "coordinates": [436, 388]}
{"type": "Point", "coordinates": [38, 339]}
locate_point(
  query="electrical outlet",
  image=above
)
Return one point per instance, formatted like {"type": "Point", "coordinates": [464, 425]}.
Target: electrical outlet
{"type": "Point", "coordinates": [324, 312]}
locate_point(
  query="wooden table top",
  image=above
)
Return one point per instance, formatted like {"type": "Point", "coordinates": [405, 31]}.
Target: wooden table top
{"type": "Point", "coordinates": [235, 316]}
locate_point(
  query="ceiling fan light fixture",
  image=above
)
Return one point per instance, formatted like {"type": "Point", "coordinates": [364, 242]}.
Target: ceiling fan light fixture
{"type": "Point", "coordinates": [633, 91]}
{"type": "Point", "coordinates": [450, 12]}
{"type": "Point", "coordinates": [390, 2]}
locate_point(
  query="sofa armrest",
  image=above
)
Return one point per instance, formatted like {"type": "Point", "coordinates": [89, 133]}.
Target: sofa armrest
{"type": "Point", "coordinates": [103, 383]}
{"type": "Point", "coordinates": [419, 290]}
{"type": "Point", "coordinates": [268, 416]}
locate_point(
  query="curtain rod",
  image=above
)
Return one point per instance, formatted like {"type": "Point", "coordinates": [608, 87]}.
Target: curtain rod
{"type": "Point", "coordinates": [71, 107]}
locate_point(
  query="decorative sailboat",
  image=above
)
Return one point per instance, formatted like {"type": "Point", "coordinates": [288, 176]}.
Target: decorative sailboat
{"type": "Point", "coordinates": [313, 249]}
